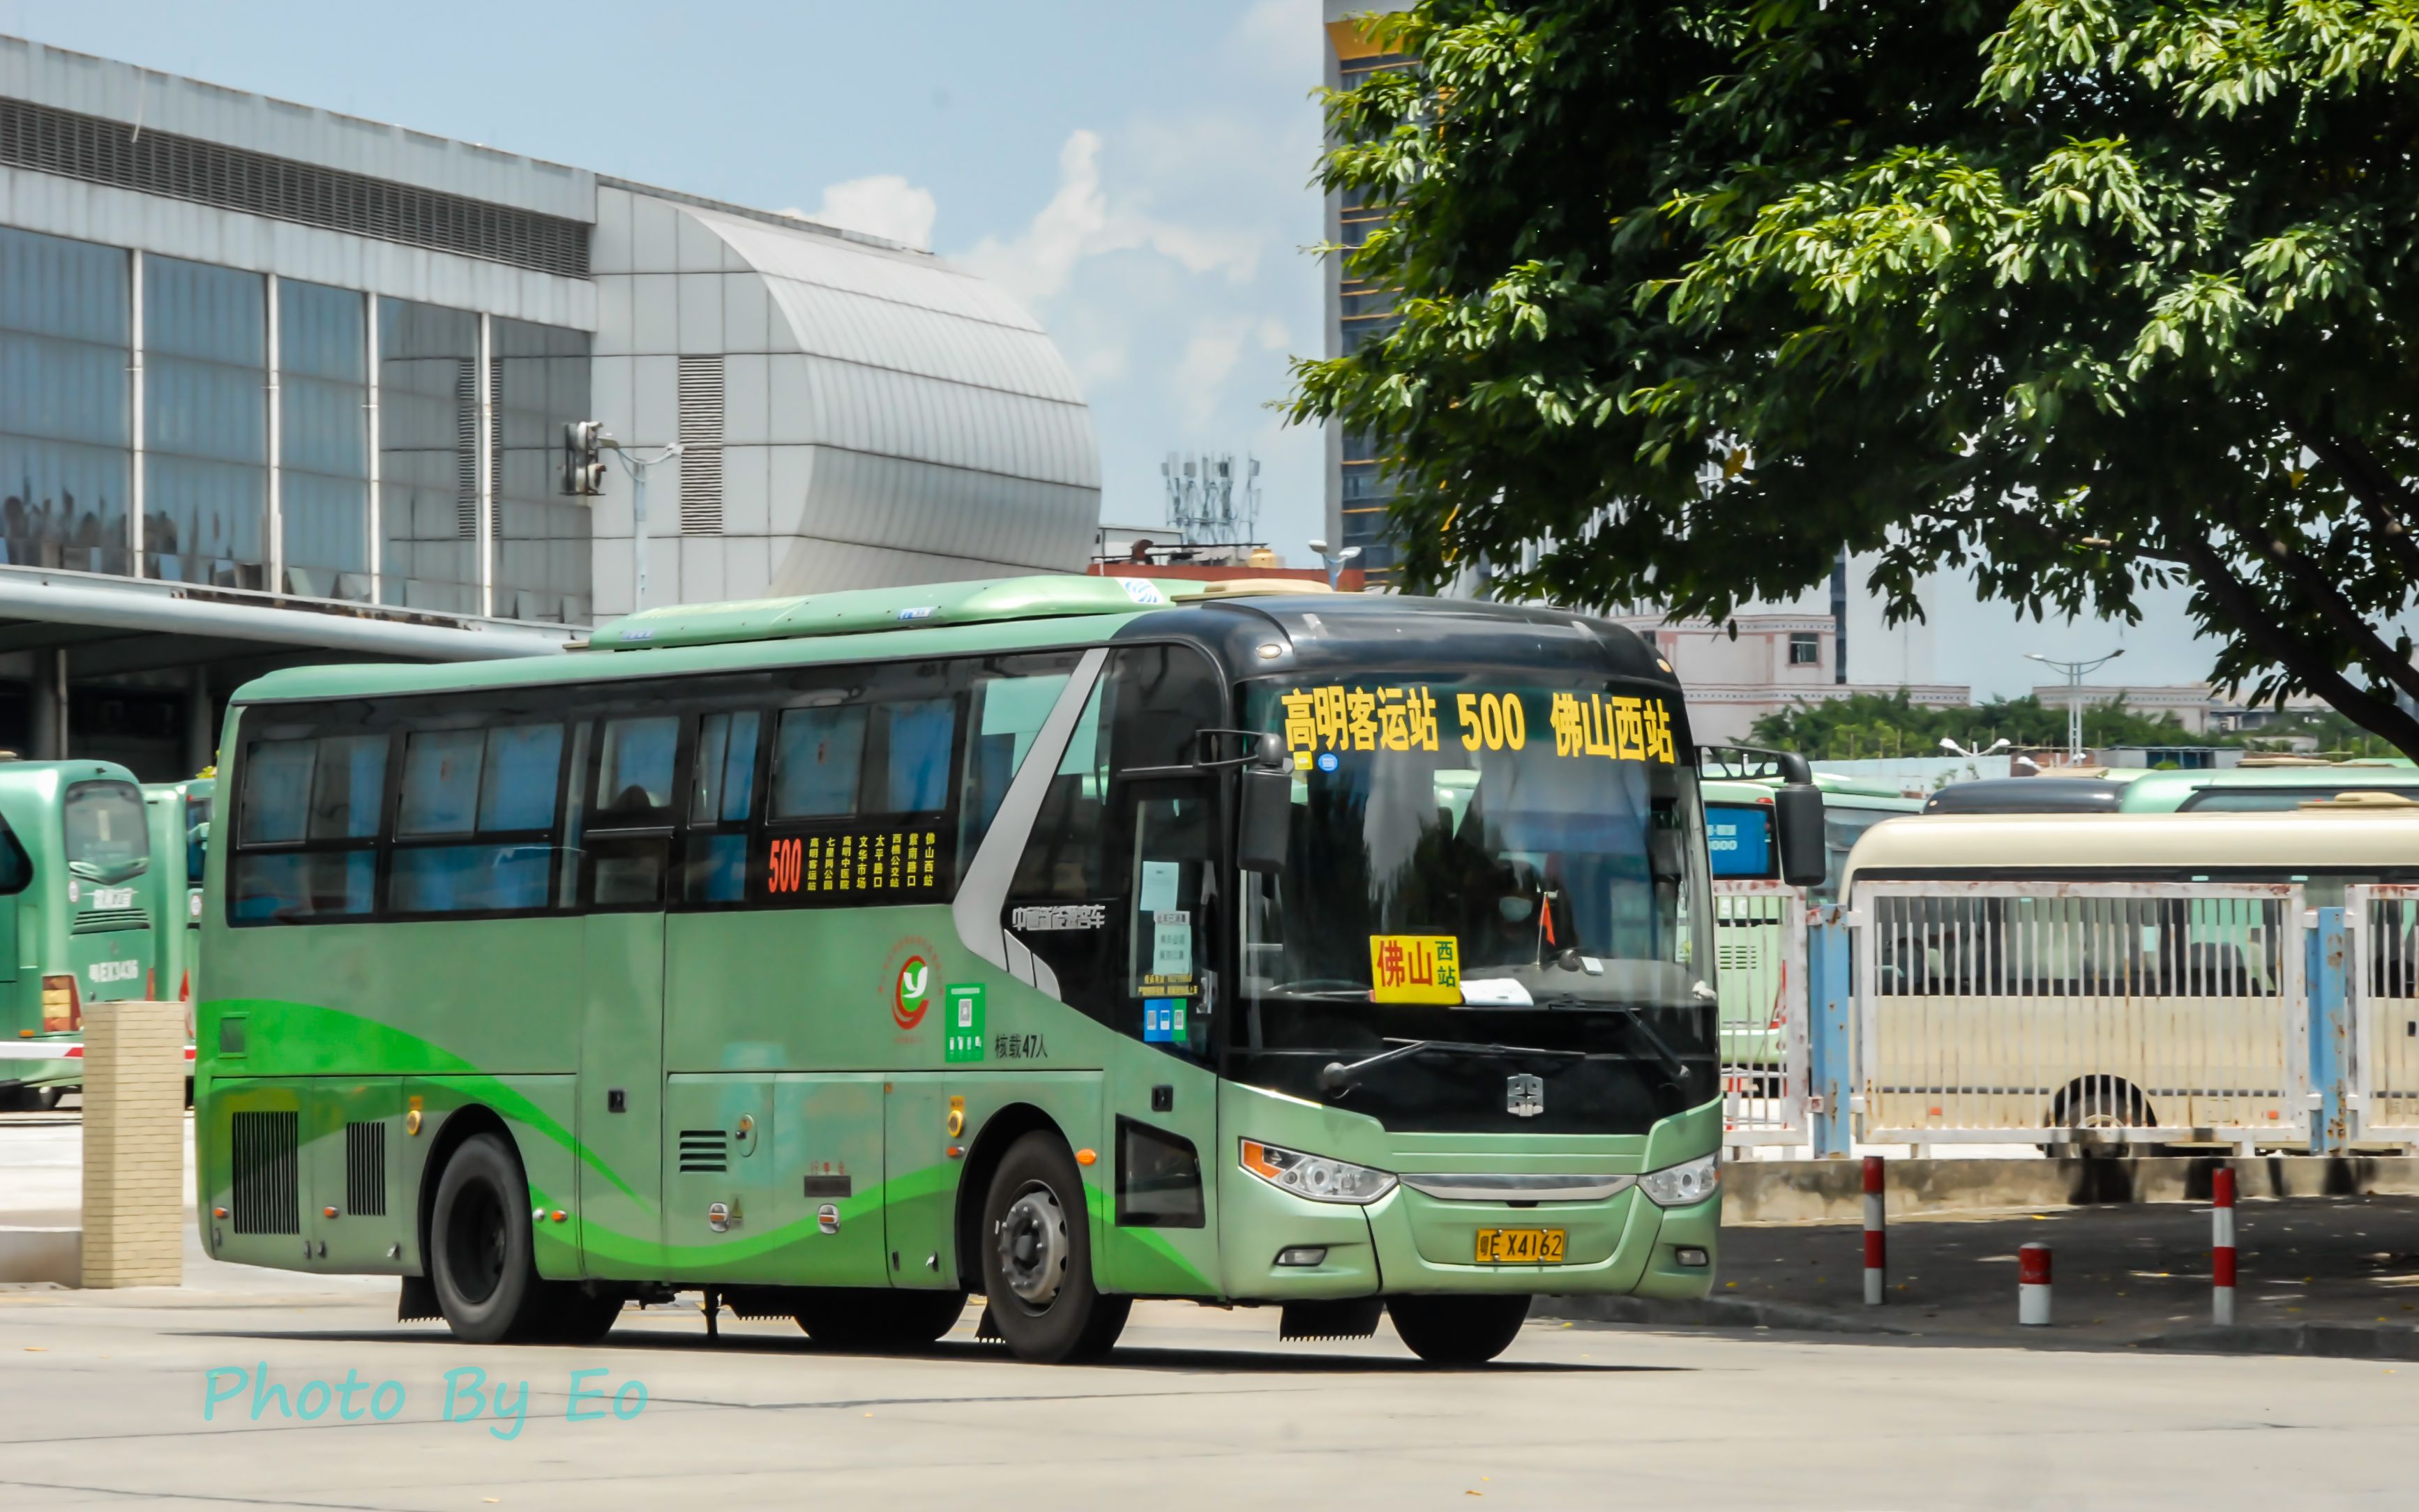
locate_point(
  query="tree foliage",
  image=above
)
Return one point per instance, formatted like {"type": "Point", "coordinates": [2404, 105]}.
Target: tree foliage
{"type": "Point", "coordinates": [1892, 724]}
{"type": "Point", "coordinates": [2080, 296]}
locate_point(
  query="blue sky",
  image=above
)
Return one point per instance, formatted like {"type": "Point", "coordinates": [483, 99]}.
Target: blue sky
{"type": "Point", "coordinates": [1136, 171]}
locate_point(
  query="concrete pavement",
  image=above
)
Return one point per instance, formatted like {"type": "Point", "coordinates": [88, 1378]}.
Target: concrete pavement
{"type": "Point", "coordinates": [106, 1399]}
{"type": "Point", "coordinates": [102, 1401]}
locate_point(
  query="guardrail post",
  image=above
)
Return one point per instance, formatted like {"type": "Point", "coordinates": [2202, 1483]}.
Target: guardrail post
{"type": "Point", "coordinates": [2329, 1032]}
{"type": "Point", "coordinates": [1829, 1072]}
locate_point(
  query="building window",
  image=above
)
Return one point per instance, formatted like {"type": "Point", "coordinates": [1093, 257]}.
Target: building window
{"type": "Point", "coordinates": [323, 482]}
{"type": "Point", "coordinates": [204, 423]}
{"type": "Point", "coordinates": [428, 472]}
{"type": "Point", "coordinates": [1805, 648]}
{"type": "Point", "coordinates": [66, 436]}
{"type": "Point", "coordinates": [544, 568]}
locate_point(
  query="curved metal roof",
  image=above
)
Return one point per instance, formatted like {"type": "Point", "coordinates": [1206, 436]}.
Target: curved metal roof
{"type": "Point", "coordinates": [952, 438]}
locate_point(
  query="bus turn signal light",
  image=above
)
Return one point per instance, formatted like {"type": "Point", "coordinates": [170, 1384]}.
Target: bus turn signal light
{"type": "Point", "coordinates": [62, 1006]}
{"type": "Point", "coordinates": [1084, 1157]}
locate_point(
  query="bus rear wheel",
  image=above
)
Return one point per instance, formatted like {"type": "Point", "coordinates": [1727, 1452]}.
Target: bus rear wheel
{"type": "Point", "coordinates": [869, 1318]}
{"type": "Point", "coordinates": [1037, 1258]}
{"type": "Point", "coordinates": [479, 1247]}
{"type": "Point", "coordinates": [1457, 1330]}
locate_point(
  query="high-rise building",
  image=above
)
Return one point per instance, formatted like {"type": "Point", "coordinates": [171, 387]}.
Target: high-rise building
{"type": "Point", "coordinates": [1358, 492]}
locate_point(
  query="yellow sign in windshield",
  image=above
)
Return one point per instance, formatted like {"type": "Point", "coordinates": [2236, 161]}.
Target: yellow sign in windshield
{"type": "Point", "coordinates": [1414, 968]}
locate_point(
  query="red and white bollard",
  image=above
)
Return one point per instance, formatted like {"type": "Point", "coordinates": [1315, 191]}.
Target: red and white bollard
{"type": "Point", "coordinates": [1876, 1241]}
{"type": "Point", "coordinates": [2033, 1285]}
{"type": "Point", "coordinates": [2221, 1249]}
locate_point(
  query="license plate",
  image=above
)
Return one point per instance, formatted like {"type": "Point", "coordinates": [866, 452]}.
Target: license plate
{"type": "Point", "coordinates": [1520, 1246]}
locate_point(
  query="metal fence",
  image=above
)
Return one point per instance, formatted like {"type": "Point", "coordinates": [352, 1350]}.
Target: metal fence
{"type": "Point", "coordinates": [2383, 932]}
{"type": "Point", "coordinates": [1759, 961]}
{"type": "Point", "coordinates": [2064, 1012]}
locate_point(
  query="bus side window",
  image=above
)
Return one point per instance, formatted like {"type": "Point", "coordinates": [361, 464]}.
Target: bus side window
{"type": "Point", "coordinates": [628, 833]}
{"type": "Point", "coordinates": [859, 791]}
{"type": "Point", "coordinates": [1013, 700]}
{"type": "Point", "coordinates": [306, 827]}
{"type": "Point", "coordinates": [722, 800]}
{"type": "Point", "coordinates": [474, 831]}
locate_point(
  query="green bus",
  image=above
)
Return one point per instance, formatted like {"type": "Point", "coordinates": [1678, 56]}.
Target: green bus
{"type": "Point", "coordinates": [75, 854]}
{"type": "Point", "coordinates": [179, 815]}
{"type": "Point", "coordinates": [2267, 785]}
{"type": "Point", "coordinates": [1750, 932]}
{"type": "Point", "coordinates": [1064, 940]}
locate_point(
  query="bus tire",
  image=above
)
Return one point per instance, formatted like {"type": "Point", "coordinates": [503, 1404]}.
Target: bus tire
{"type": "Point", "coordinates": [1037, 1258]}
{"type": "Point", "coordinates": [1457, 1330]}
{"type": "Point", "coordinates": [876, 1317]}
{"type": "Point", "coordinates": [479, 1246]}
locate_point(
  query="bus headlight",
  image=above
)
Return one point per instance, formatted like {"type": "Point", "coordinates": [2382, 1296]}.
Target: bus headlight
{"type": "Point", "coordinates": [1315, 1177]}
{"type": "Point", "coordinates": [1676, 1186]}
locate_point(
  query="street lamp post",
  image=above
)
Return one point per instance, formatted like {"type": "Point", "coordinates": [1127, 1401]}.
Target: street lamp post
{"type": "Point", "coordinates": [638, 459]}
{"type": "Point", "coordinates": [1335, 563]}
{"type": "Point", "coordinates": [2074, 670]}
{"type": "Point", "coordinates": [1955, 749]}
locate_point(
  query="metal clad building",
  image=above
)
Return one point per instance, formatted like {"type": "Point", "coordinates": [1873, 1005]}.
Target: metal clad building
{"type": "Point", "coordinates": [255, 355]}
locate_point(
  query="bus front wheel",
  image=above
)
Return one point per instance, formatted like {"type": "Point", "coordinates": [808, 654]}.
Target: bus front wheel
{"type": "Point", "coordinates": [1037, 1258]}
{"type": "Point", "coordinates": [479, 1244]}
{"type": "Point", "coordinates": [1457, 1330]}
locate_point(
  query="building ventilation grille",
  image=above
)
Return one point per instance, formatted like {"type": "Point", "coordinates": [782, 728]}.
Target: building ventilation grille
{"type": "Point", "coordinates": [466, 451]}
{"type": "Point", "coordinates": [102, 151]}
{"type": "Point", "coordinates": [268, 1185]}
{"type": "Point", "coordinates": [700, 438]}
{"type": "Point", "coordinates": [366, 1169]}
{"type": "Point", "coordinates": [705, 1150]}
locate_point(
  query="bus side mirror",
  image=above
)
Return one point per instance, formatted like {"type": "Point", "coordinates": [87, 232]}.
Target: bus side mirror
{"type": "Point", "coordinates": [1797, 827]}
{"type": "Point", "coordinates": [1266, 816]}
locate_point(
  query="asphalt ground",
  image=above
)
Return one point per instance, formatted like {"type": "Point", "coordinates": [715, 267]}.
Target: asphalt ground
{"type": "Point", "coordinates": [105, 1401]}
{"type": "Point", "coordinates": [2119, 1272]}
{"type": "Point", "coordinates": [147, 1396]}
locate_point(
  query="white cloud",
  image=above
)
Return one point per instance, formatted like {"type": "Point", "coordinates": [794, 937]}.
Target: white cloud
{"type": "Point", "coordinates": [1201, 374]}
{"type": "Point", "coordinates": [885, 205]}
{"type": "Point", "coordinates": [1084, 221]}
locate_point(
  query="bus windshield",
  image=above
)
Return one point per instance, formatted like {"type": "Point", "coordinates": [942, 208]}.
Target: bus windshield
{"type": "Point", "coordinates": [108, 838]}
{"type": "Point", "coordinates": [1496, 864]}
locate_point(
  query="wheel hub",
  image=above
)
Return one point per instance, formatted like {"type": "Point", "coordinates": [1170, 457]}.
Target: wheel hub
{"type": "Point", "coordinates": [1034, 1247]}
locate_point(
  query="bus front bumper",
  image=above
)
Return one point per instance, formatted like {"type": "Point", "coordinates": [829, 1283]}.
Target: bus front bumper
{"type": "Point", "coordinates": [1409, 1242]}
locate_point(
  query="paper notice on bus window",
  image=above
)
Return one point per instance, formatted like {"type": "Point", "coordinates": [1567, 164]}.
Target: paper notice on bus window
{"type": "Point", "coordinates": [1171, 945]}
{"type": "Point", "coordinates": [1495, 991]}
{"type": "Point", "coordinates": [1159, 879]}
{"type": "Point", "coordinates": [1414, 968]}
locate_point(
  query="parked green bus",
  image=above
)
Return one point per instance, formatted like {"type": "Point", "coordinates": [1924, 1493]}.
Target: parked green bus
{"type": "Point", "coordinates": [1751, 930]}
{"type": "Point", "coordinates": [1067, 940]}
{"type": "Point", "coordinates": [75, 858]}
{"type": "Point", "coordinates": [2271, 784]}
{"type": "Point", "coordinates": [179, 815]}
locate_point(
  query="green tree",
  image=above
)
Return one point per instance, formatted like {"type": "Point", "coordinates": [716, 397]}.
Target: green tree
{"type": "Point", "coordinates": [1877, 724]}
{"type": "Point", "coordinates": [2083, 296]}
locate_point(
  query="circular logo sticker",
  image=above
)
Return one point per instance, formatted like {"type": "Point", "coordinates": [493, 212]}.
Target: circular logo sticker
{"type": "Point", "coordinates": [912, 993]}
{"type": "Point", "coordinates": [1327, 761]}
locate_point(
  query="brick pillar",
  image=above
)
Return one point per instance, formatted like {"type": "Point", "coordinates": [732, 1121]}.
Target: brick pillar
{"type": "Point", "coordinates": [133, 1144]}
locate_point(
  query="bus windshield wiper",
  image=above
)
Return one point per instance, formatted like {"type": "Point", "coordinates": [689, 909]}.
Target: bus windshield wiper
{"type": "Point", "coordinates": [1633, 1014]}
{"type": "Point", "coordinates": [1336, 1076]}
